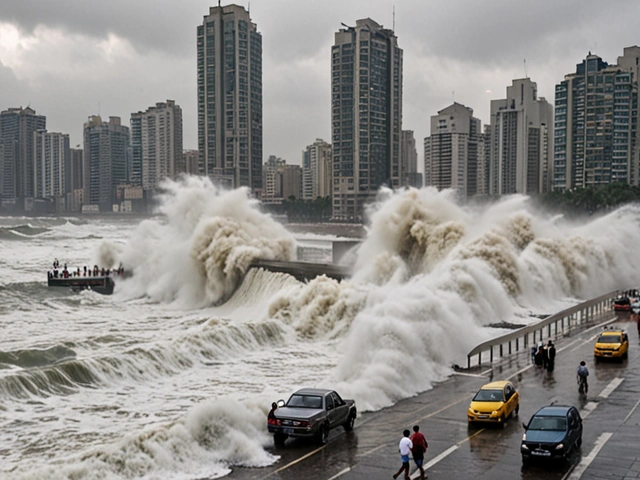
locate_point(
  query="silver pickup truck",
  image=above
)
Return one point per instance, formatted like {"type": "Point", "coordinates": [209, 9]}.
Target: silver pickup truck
{"type": "Point", "coordinates": [311, 412]}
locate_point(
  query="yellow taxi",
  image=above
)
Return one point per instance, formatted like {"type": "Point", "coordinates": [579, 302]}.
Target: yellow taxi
{"type": "Point", "coordinates": [612, 343]}
{"type": "Point", "coordinates": [494, 402]}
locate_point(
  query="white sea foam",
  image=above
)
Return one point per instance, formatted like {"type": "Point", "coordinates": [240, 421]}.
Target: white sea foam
{"type": "Point", "coordinates": [200, 252]}
{"type": "Point", "coordinates": [429, 278]}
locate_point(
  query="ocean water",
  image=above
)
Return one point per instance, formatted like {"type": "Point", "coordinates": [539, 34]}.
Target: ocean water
{"type": "Point", "coordinates": [173, 374]}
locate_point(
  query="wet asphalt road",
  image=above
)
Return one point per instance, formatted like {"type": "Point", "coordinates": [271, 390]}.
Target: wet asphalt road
{"type": "Point", "coordinates": [457, 451]}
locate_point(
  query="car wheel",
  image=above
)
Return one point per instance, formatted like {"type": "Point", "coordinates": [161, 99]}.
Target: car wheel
{"type": "Point", "coordinates": [517, 410]}
{"type": "Point", "coordinates": [625, 355]}
{"type": "Point", "coordinates": [348, 426]}
{"type": "Point", "coordinates": [323, 435]}
{"type": "Point", "coordinates": [579, 441]}
{"type": "Point", "coordinates": [279, 438]}
{"type": "Point", "coordinates": [503, 420]}
{"type": "Point", "coordinates": [525, 459]}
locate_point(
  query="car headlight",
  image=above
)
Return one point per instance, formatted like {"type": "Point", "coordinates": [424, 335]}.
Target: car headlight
{"type": "Point", "coordinates": [559, 446]}
{"type": "Point", "coordinates": [524, 438]}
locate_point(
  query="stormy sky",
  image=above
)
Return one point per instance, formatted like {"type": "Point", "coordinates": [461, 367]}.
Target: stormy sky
{"type": "Point", "coordinates": [69, 59]}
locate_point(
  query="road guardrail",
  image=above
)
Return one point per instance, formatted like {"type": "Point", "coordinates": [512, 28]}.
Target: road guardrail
{"type": "Point", "coordinates": [561, 322]}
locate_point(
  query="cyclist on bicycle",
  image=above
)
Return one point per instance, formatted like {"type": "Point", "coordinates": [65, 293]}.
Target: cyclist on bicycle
{"type": "Point", "coordinates": [582, 374]}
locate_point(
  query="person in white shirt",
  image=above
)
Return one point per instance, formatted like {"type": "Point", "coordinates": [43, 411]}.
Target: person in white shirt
{"type": "Point", "coordinates": [405, 447]}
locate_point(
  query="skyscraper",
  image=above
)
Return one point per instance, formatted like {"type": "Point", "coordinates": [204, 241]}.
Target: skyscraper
{"type": "Point", "coordinates": [106, 146]}
{"type": "Point", "coordinates": [366, 115]}
{"type": "Point", "coordinates": [17, 129]}
{"type": "Point", "coordinates": [230, 98]}
{"type": "Point", "coordinates": [316, 170]}
{"type": "Point", "coordinates": [52, 164]}
{"type": "Point", "coordinates": [453, 152]}
{"type": "Point", "coordinates": [596, 123]}
{"type": "Point", "coordinates": [156, 144]}
{"type": "Point", "coordinates": [521, 141]}
{"type": "Point", "coordinates": [409, 160]}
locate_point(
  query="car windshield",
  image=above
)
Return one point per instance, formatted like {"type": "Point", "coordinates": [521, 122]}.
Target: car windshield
{"type": "Point", "coordinates": [622, 301]}
{"type": "Point", "coordinates": [305, 401]}
{"type": "Point", "coordinates": [609, 339]}
{"type": "Point", "coordinates": [488, 396]}
{"type": "Point", "coordinates": [548, 423]}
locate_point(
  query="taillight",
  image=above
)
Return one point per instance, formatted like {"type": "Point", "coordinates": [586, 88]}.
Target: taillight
{"type": "Point", "coordinates": [302, 423]}
{"type": "Point", "coordinates": [273, 421]}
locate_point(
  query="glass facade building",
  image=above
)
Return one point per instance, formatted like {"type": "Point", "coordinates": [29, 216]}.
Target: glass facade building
{"type": "Point", "coordinates": [366, 116]}
{"type": "Point", "coordinates": [230, 98]}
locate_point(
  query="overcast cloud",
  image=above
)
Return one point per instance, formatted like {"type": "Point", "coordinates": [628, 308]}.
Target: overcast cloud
{"type": "Point", "coordinates": [69, 59]}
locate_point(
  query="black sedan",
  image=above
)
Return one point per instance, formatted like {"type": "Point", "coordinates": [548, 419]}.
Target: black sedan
{"type": "Point", "coordinates": [552, 432]}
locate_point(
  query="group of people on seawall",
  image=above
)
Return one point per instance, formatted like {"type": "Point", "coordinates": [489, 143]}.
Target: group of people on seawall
{"type": "Point", "coordinates": [544, 356]}
{"type": "Point", "coordinates": [96, 271]}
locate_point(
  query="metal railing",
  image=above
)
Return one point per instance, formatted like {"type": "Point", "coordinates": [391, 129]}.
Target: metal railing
{"type": "Point", "coordinates": [525, 336]}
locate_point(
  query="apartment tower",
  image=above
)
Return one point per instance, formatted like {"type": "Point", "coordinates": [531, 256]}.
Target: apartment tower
{"type": "Point", "coordinates": [596, 123]}
{"type": "Point", "coordinates": [521, 141]}
{"type": "Point", "coordinates": [453, 152]}
{"type": "Point", "coordinates": [156, 145]}
{"type": "Point", "coordinates": [230, 98]}
{"type": "Point", "coordinates": [366, 116]}
{"type": "Point", "coordinates": [106, 146]}
{"type": "Point", "coordinates": [18, 127]}
{"type": "Point", "coordinates": [316, 170]}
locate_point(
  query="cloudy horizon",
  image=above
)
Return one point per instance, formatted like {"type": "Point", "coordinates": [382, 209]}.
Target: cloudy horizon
{"type": "Point", "coordinates": [70, 59]}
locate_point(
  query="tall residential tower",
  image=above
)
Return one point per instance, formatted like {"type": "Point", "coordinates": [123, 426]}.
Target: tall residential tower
{"type": "Point", "coordinates": [521, 141]}
{"type": "Point", "coordinates": [453, 152]}
{"type": "Point", "coordinates": [230, 98]}
{"type": "Point", "coordinates": [596, 123]}
{"type": "Point", "coordinates": [366, 116]}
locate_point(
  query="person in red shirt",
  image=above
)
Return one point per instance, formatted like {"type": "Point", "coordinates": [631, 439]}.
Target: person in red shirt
{"type": "Point", "coordinates": [420, 446]}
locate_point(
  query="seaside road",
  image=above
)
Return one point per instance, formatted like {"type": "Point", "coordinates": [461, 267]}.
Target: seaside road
{"type": "Point", "coordinates": [611, 414]}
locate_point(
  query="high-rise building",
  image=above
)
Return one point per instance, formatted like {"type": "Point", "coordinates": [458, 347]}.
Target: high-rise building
{"type": "Point", "coordinates": [52, 165]}
{"type": "Point", "coordinates": [74, 187]}
{"type": "Point", "coordinates": [316, 170]}
{"type": "Point", "coordinates": [521, 141]}
{"type": "Point", "coordinates": [409, 160]}
{"type": "Point", "coordinates": [366, 116]}
{"type": "Point", "coordinates": [485, 160]}
{"type": "Point", "coordinates": [272, 179]}
{"type": "Point", "coordinates": [156, 144]}
{"type": "Point", "coordinates": [230, 98]}
{"type": "Point", "coordinates": [191, 162]}
{"type": "Point", "coordinates": [596, 123]}
{"type": "Point", "coordinates": [452, 153]}
{"type": "Point", "coordinates": [17, 133]}
{"type": "Point", "coordinates": [106, 146]}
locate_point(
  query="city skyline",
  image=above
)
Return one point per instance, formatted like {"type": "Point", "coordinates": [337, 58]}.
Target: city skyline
{"type": "Point", "coordinates": [73, 60]}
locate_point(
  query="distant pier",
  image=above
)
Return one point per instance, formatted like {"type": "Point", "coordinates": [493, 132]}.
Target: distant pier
{"type": "Point", "coordinates": [303, 270]}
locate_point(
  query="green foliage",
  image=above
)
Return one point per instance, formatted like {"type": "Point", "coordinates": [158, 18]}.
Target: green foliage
{"type": "Point", "coordinates": [303, 211]}
{"type": "Point", "coordinates": [591, 200]}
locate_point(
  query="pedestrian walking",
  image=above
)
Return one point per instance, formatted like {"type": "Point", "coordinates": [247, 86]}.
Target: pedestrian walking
{"type": "Point", "coordinates": [419, 449]}
{"type": "Point", "coordinates": [405, 447]}
{"type": "Point", "coordinates": [551, 354]}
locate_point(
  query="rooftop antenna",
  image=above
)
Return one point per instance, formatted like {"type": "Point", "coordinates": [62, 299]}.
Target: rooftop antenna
{"type": "Point", "coordinates": [453, 95]}
{"type": "Point", "coordinates": [525, 68]}
{"type": "Point", "coordinates": [393, 27]}
{"type": "Point", "coordinates": [219, 6]}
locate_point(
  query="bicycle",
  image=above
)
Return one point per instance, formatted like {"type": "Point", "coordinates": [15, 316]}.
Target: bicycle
{"type": "Point", "coordinates": [583, 386]}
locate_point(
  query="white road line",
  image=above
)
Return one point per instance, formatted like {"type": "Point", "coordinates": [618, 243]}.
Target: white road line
{"type": "Point", "coordinates": [443, 455]}
{"type": "Point", "coordinates": [588, 408]}
{"type": "Point", "coordinates": [577, 472]}
{"type": "Point", "coordinates": [339, 474]}
{"type": "Point", "coordinates": [611, 387]}
{"type": "Point", "coordinates": [631, 412]}
{"type": "Point", "coordinates": [477, 375]}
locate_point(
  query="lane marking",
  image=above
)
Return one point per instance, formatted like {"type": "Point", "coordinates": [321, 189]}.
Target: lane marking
{"type": "Point", "coordinates": [284, 467]}
{"type": "Point", "coordinates": [587, 409]}
{"type": "Point", "coordinates": [445, 454]}
{"type": "Point", "coordinates": [615, 383]}
{"type": "Point", "coordinates": [631, 412]}
{"type": "Point", "coordinates": [577, 472]}
{"type": "Point", "coordinates": [476, 375]}
{"type": "Point", "coordinates": [339, 474]}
